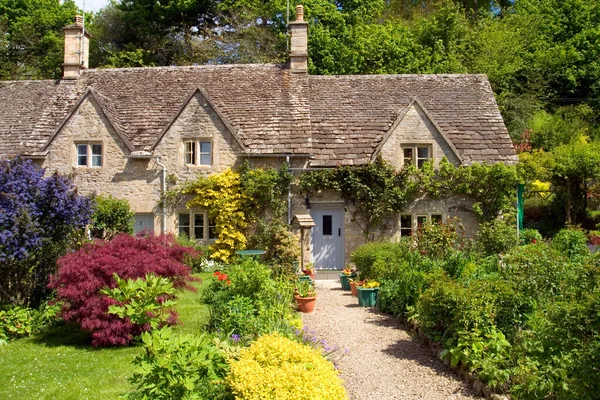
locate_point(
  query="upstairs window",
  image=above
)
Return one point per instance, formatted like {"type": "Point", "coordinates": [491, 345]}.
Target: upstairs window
{"type": "Point", "coordinates": [198, 152]}
{"type": "Point", "coordinates": [89, 155]}
{"type": "Point", "coordinates": [417, 154]}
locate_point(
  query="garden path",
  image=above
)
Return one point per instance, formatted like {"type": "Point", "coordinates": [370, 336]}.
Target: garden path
{"type": "Point", "coordinates": [382, 361]}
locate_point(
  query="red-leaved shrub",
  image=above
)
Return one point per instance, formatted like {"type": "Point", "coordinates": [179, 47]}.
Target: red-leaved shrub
{"type": "Point", "coordinates": [82, 274]}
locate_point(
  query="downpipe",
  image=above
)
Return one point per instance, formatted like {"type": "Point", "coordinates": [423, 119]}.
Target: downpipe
{"type": "Point", "coordinates": [164, 191]}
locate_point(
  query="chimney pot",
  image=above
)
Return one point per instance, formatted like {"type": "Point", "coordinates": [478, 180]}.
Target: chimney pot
{"type": "Point", "coordinates": [79, 20]}
{"type": "Point", "coordinates": [299, 13]}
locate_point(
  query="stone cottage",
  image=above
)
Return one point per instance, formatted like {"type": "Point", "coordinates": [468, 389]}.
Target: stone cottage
{"type": "Point", "coordinates": [125, 131]}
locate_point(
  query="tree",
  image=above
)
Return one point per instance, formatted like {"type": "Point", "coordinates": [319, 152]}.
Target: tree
{"type": "Point", "coordinates": [31, 37]}
{"type": "Point", "coordinates": [111, 216]}
{"type": "Point", "coordinates": [40, 218]}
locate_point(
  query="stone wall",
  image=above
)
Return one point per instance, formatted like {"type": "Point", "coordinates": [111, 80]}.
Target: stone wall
{"type": "Point", "coordinates": [416, 128]}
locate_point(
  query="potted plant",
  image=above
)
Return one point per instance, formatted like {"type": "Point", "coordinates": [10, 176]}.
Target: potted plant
{"type": "Point", "coordinates": [594, 238]}
{"type": "Point", "coordinates": [367, 294]}
{"type": "Point", "coordinates": [354, 284]}
{"type": "Point", "coordinates": [345, 276]}
{"type": "Point", "coordinates": [309, 270]}
{"type": "Point", "coordinates": [305, 296]}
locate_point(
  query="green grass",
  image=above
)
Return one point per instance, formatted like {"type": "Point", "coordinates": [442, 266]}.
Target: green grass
{"type": "Point", "coordinates": [61, 363]}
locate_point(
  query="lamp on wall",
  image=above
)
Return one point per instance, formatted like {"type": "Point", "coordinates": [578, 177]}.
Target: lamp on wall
{"type": "Point", "coordinates": [307, 201]}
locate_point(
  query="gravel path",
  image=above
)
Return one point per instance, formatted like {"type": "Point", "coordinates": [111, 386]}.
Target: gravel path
{"type": "Point", "coordinates": [383, 361]}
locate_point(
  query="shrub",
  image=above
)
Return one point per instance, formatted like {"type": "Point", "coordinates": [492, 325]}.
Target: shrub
{"type": "Point", "coordinates": [538, 271]}
{"type": "Point", "coordinates": [396, 295]}
{"type": "Point", "coordinates": [274, 367]}
{"type": "Point", "coordinates": [144, 301]}
{"type": "Point", "coordinates": [179, 367]}
{"type": "Point", "coordinates": [83, 274]}
{"type": "Point", "coordinates": [245, 300]}
{"type": "Point", "coordinates": [382, 260]}
{"type": "Point", "coordinates": [495, 237]}
{"type": "Point", "coordinates": [111, 216]}
{"type": "Point", "coordinates": [282, 247]}
{"type": "Point", "coordinates": [437, 240]}
{"type": "Point", "coordinates": [571, 242]}
{"type": "Point", "coordinates": [40, 218]}
{"type": "Point", "coordinates": [16, 322]}
{"type": "Point", "coordinates": [197, 260]}
{"type": "Point", "coordinates": [529, 236]}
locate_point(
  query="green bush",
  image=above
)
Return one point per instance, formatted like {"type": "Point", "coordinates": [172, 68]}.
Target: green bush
{"type": "Point", "coordinates": [111, 216]}
{"type": "Point", "coordinates": [496, 237]}
{"type": "Point", "coordinates": [247, 290]}
{"type": "Point", "coordinates": [558, 357]}
{"type": "Point", "coordinates": [571, 242]}
{"type": "Point", "coordinates": [16, 322]}
{"type": "Point", "coordinates": [383, 260]}
{"type": "Point", "coordinates": [197, 261]}
{"type": "Point", "coordinates": [179, 367]}
{"type": "Point", "coordinates": [437, 240]}
{"type": "Point", "coordinates": [538, 271]}
{"type": "Point", "coordinates": [396, 295]}
{"type": "Point", "coordinates": [529, 236]}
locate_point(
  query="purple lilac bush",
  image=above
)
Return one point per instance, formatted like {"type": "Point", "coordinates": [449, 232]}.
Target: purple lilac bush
{"type": "Point", "coordinates": [40, 218]}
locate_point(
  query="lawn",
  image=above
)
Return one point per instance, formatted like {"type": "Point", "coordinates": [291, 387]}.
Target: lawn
{"type": "Point", "coordinates": [61, 363]}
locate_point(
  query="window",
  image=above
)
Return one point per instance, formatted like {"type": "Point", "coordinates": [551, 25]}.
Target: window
{"type": "Point", "coordinates": [194, 226]}
{"type": "Point", "coordinates": [89, 154]}
{"type": "Point", "coordinates": [327, 225]}
{"type": "Point", "coordinates": [198, 152]}
{"type": "Point", "coordinates": [408, 221]}
{"type": "Point", "coordinates": [419, 154]}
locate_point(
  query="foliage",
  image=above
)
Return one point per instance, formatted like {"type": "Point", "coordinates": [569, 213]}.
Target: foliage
{"type": "Point", "coordinates": [381, 260]}
{"type": "Point", "coordinates": [144, 301]}
{"type": "Point", "coordinates": [371, 192]}
{"type": "Point", "coordinates": [437, 240]}
{"type": "Point", "coordinates": [197, 260]}
{"type": "Point", "coordinates": [16, 322]}
{"type": "Point", "coordinates": [249, 301]}
{"type": "Point", "coordinates": [274, 367]}
{"type": "Point", "coordinates": [571, 242]}
{"type": "Point", "coordinates": [179, 366]}
{"type": "Point", "coordinates": [528, 236]}
{"type": "Point", "coordinates": [282, 247]}
{"type": "Point", "coordinates": [236, 201]}
{"type": "Point", "coordinates": [40, 219]}
{"type": "Point", "coordinates": [31, 40]}
{"type": "Point", "coordinates": [496, 237]}
{"type": "Point", "coordinates": [111, 216]}
{"type": "Point", "coordinates": [82, 276]}
{"type": "Point", "coordinates": [305, 288]}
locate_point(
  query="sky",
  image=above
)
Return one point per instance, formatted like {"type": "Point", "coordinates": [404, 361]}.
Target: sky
{"type": "Point", "coordinates": [92, 5]}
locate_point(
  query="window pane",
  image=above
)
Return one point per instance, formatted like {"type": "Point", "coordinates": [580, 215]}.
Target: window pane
{"type": "Point", "coordinates": [212, 229]}
{"type": "Point", "coordinates": [436, 218]}
{"type": "Point", "coordinates": [406, 225]}
{"type": "Point", "coordinates": [199, 226]}
{"type": "Point", "coordinates": [184, 224]}
{"type": "Point", "coordinates": [421, 220]}
{"type": "Point", "coordinates": [96, 155]}
{"type": "Point", "coordinates": [408, 155]}
{"type": "Point", "coordinates": [82, 154]}
{"type": "Point", "coordinates": [205, 159]}
{"type": "Point", "coordinates": [423, 152]}
{"type": "Point", "coordinates": [205, 153]}
{"type": "Point", "coordinates": [190, 152]}
{"type": "Point", "coordinates": [205, 147]}
{"type": "Point", "coordinates": [327, 225]}
{"type": "Point", "coordinates": [420, 163]}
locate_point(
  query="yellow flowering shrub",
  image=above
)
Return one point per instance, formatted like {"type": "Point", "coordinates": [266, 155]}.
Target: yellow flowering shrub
{"type": "Point", "coordinates": [222, 196]}
{"type": "Point", "coordinates": [275, 367]}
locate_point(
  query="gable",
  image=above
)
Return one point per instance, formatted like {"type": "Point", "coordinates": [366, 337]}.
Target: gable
{"type": "Point", "coordinates": [415, 127]}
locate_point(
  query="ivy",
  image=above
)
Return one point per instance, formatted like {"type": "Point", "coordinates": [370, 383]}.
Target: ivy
{"type": "Point", "coordinates": [376, 190]}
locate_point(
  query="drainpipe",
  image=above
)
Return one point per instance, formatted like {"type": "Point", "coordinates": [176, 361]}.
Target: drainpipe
{"type": "Point", "coordinates": [164, 191]}
{"type": "Point", "coordinates": [289, 195]}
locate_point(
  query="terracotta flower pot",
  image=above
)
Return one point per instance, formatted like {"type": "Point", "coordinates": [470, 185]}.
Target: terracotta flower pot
{"type": "Point", "coordinates": [306, 304]}
{"type": "Point", "coordinates": [354, 287]}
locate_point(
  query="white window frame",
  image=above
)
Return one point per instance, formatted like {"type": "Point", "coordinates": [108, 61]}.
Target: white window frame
{"type": "Point", "coordinates": [414, 220]}
{"type": "Point", "coordinates": [415, 150]}
{"type": "Point", "coordinates": [192, 152]}
{"type": "Point", "coordinates": [89, 161]}
{"type": "Point", "coordinates": [208, 226]}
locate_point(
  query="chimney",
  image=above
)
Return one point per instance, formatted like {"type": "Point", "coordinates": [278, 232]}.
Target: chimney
{"type": "Point", "coordinates": [77, 44]}
{"type": "Point", "coordinates": [299, 43]}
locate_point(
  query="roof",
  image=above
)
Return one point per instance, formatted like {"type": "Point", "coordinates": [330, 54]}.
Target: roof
{"type": "Point", "coordinates": [303, 220]}
{"type": "Point", "coordinates": [338, 120]}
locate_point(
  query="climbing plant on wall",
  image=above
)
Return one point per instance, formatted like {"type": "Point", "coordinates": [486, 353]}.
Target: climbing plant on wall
{"type": "Point", "coordinates": [236, 201]}
{"type": "Point", "coordinates": [376, 190]}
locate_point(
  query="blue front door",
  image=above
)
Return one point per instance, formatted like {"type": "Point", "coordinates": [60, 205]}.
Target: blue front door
{"type": "Point", "coordinates": [327, 238]}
